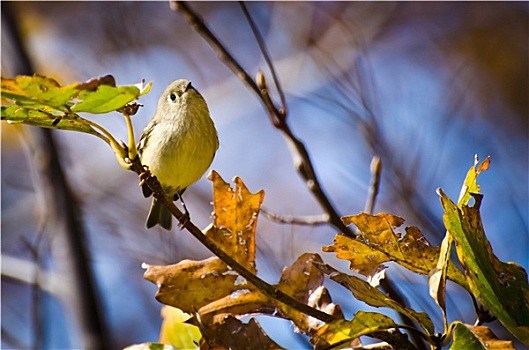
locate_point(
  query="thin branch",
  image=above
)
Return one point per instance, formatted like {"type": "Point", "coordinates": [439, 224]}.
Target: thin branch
{"type": "Point", "coordinates": [311, 220]}
{"type": "Point", "coordinates": [376, 171]}
{"type": "Point", "coordinates": [299, 153]}
{"type": "Point", "coordinates": [266, 55]}
{"type": "Point", "coordinates": [264, 287]}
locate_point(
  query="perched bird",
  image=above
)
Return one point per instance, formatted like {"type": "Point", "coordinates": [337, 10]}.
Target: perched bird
{"type": "Point", "coordinates": [177, 146]}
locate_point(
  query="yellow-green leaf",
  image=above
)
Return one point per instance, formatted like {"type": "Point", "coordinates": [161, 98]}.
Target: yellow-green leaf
{"type": "Point", "coordinates": [372, 296]}
{"type": "Point", "coordinates": [501, 287]}
{"type": "Point", "coordinates": [175, 331]}
{"type": "Point", "coordinates": [99, 95]}
{"type": "Point", "coordinates": [437, 277]}
{"type": "Point", "coordinates": [340, 333]}
{"type": "Point", "coordinates": [46, 117]}
{"type": "Point", "coordinates": [467, 337]}
{"type": "Point", "coordinates": [470, 184]}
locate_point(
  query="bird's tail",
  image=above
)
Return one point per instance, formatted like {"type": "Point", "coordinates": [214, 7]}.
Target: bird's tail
{"type": "Point", "coordinates": [160, 215]}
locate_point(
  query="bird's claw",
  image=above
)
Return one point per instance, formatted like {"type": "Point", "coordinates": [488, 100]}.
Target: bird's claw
{"type": "Point", "coordinates": [145, 175]}
{"type": "Point", "coordinates": [184, 221]}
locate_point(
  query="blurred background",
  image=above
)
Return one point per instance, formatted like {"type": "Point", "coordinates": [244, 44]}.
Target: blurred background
{"type": "Point", "coordinates": [425, 86]}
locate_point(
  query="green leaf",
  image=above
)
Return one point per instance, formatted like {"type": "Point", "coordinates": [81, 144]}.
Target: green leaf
{"type": "Point", "coordinates": [501, 287]}
{"type": "Point", "coordinates": [372, 296]}
{"type": "Point", "coordinates": [379, 243]}
{"type": "Point", "coordinates": [46, 117]}
{"type": "Point", "coordinates": [105, 99]}
{"type": "Point", "coordinates": [437, 277]}
{"type": "Point", "coordinates": [38, 90]}
{"type": "Point", "coordinates": [467, 337]}
{"type": "Point", "coordinates": [342, 332]}
{"type": "Point", "coordinates": [99, 95]}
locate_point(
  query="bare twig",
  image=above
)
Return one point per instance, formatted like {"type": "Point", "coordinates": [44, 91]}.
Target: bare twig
{"type": "Point", "coordinates": [264, 287]}
{"type": "Point", "coordinates": [268, 59]}
{"type": "Point", "coordinates": [311, 220]}
{"type": "Point", "coordinates": [376, 171]}
{"type": "Point", "coordinates": [300, 156]}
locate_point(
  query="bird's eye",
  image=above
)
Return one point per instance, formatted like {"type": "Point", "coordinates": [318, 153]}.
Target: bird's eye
{"type": "Point", "coordinates": [172, 97]}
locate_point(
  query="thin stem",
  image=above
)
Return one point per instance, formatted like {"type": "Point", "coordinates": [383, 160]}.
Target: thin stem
{"type": "Point", "coordinates": [264, 287]}
{"type": "Point", "coordinates": [267, 57]}
{"type": "Point", "coordinates": [133, 152]}
{"type": "Point", "coordinates": [304, 220]}
{"type": "Point", "coordinates": [376, 170]}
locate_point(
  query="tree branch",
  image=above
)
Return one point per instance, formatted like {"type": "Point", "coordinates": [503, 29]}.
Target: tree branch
{"type": "Point", "coordinates": [300, 156]}
{"type": "Point", "coordinates": [264, 287]}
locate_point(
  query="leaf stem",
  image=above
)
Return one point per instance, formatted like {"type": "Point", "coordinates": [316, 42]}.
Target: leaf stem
{"type": "Point", "coordinates": [133, 152]}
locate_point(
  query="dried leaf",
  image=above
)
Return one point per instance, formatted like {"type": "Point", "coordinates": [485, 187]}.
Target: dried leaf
{"type": "Point", "coordinates": [235, 213]}
{"type": "Point", "coordinates": [215, 292]}
{"type": "Point", "coordinates": [234, 334]}
{"type": "Point", "coordinates": [303, 281]}
{"type": "Point", "coordinates": [379, 243]}
{"type": "Point", "coordinates": [189, 285]}
{"type": "Point", "coordinates": [501, 287]}
{"type": "Point", "coordinates": [467, 337]}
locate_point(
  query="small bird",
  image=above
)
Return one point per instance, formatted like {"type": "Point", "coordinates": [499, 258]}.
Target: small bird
{"type": "Point", "coordinates": [177, 146]}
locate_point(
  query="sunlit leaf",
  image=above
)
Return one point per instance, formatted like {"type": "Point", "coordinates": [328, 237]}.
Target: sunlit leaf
{"type": "Point", "coordinates": [501, 287]}
{"type": "Point", "coordinates": [38, 90]}
{"type": "Point", "coordinates": [235, 213]}
{"type": "Point", "coordinates": [304, 281]}
{"type": "Point", "coordinates": [437, 277]}
{"type": "Point", "coordinates": [175, 331]}
{"type": "Point", "coordinates": [379, 243]}
{"type": "Point", "coordinates": [46, 117]}
{"type": "Point", "coordinates": [340, 333]}
{"type": "Point", "coordinates": [105, 99]}
{"type": "Point", "coordinates": [189, 285]}
{"type": "Point", "coordinates": [99, 95]}
{"type": "Point", "coordinates": [214, 292]}
{"type": "Point", "coordinates": [470, 185]}
{"type": "Point", "coordinates": [363, 291]}
{"type": "Point", "coordinates": [467, 337]}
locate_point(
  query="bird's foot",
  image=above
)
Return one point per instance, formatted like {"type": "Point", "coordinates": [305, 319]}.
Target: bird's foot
{"type": "Point", "coordinates": [145, 175]}
{"type": "Point", "coordinates": [185, 220]}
